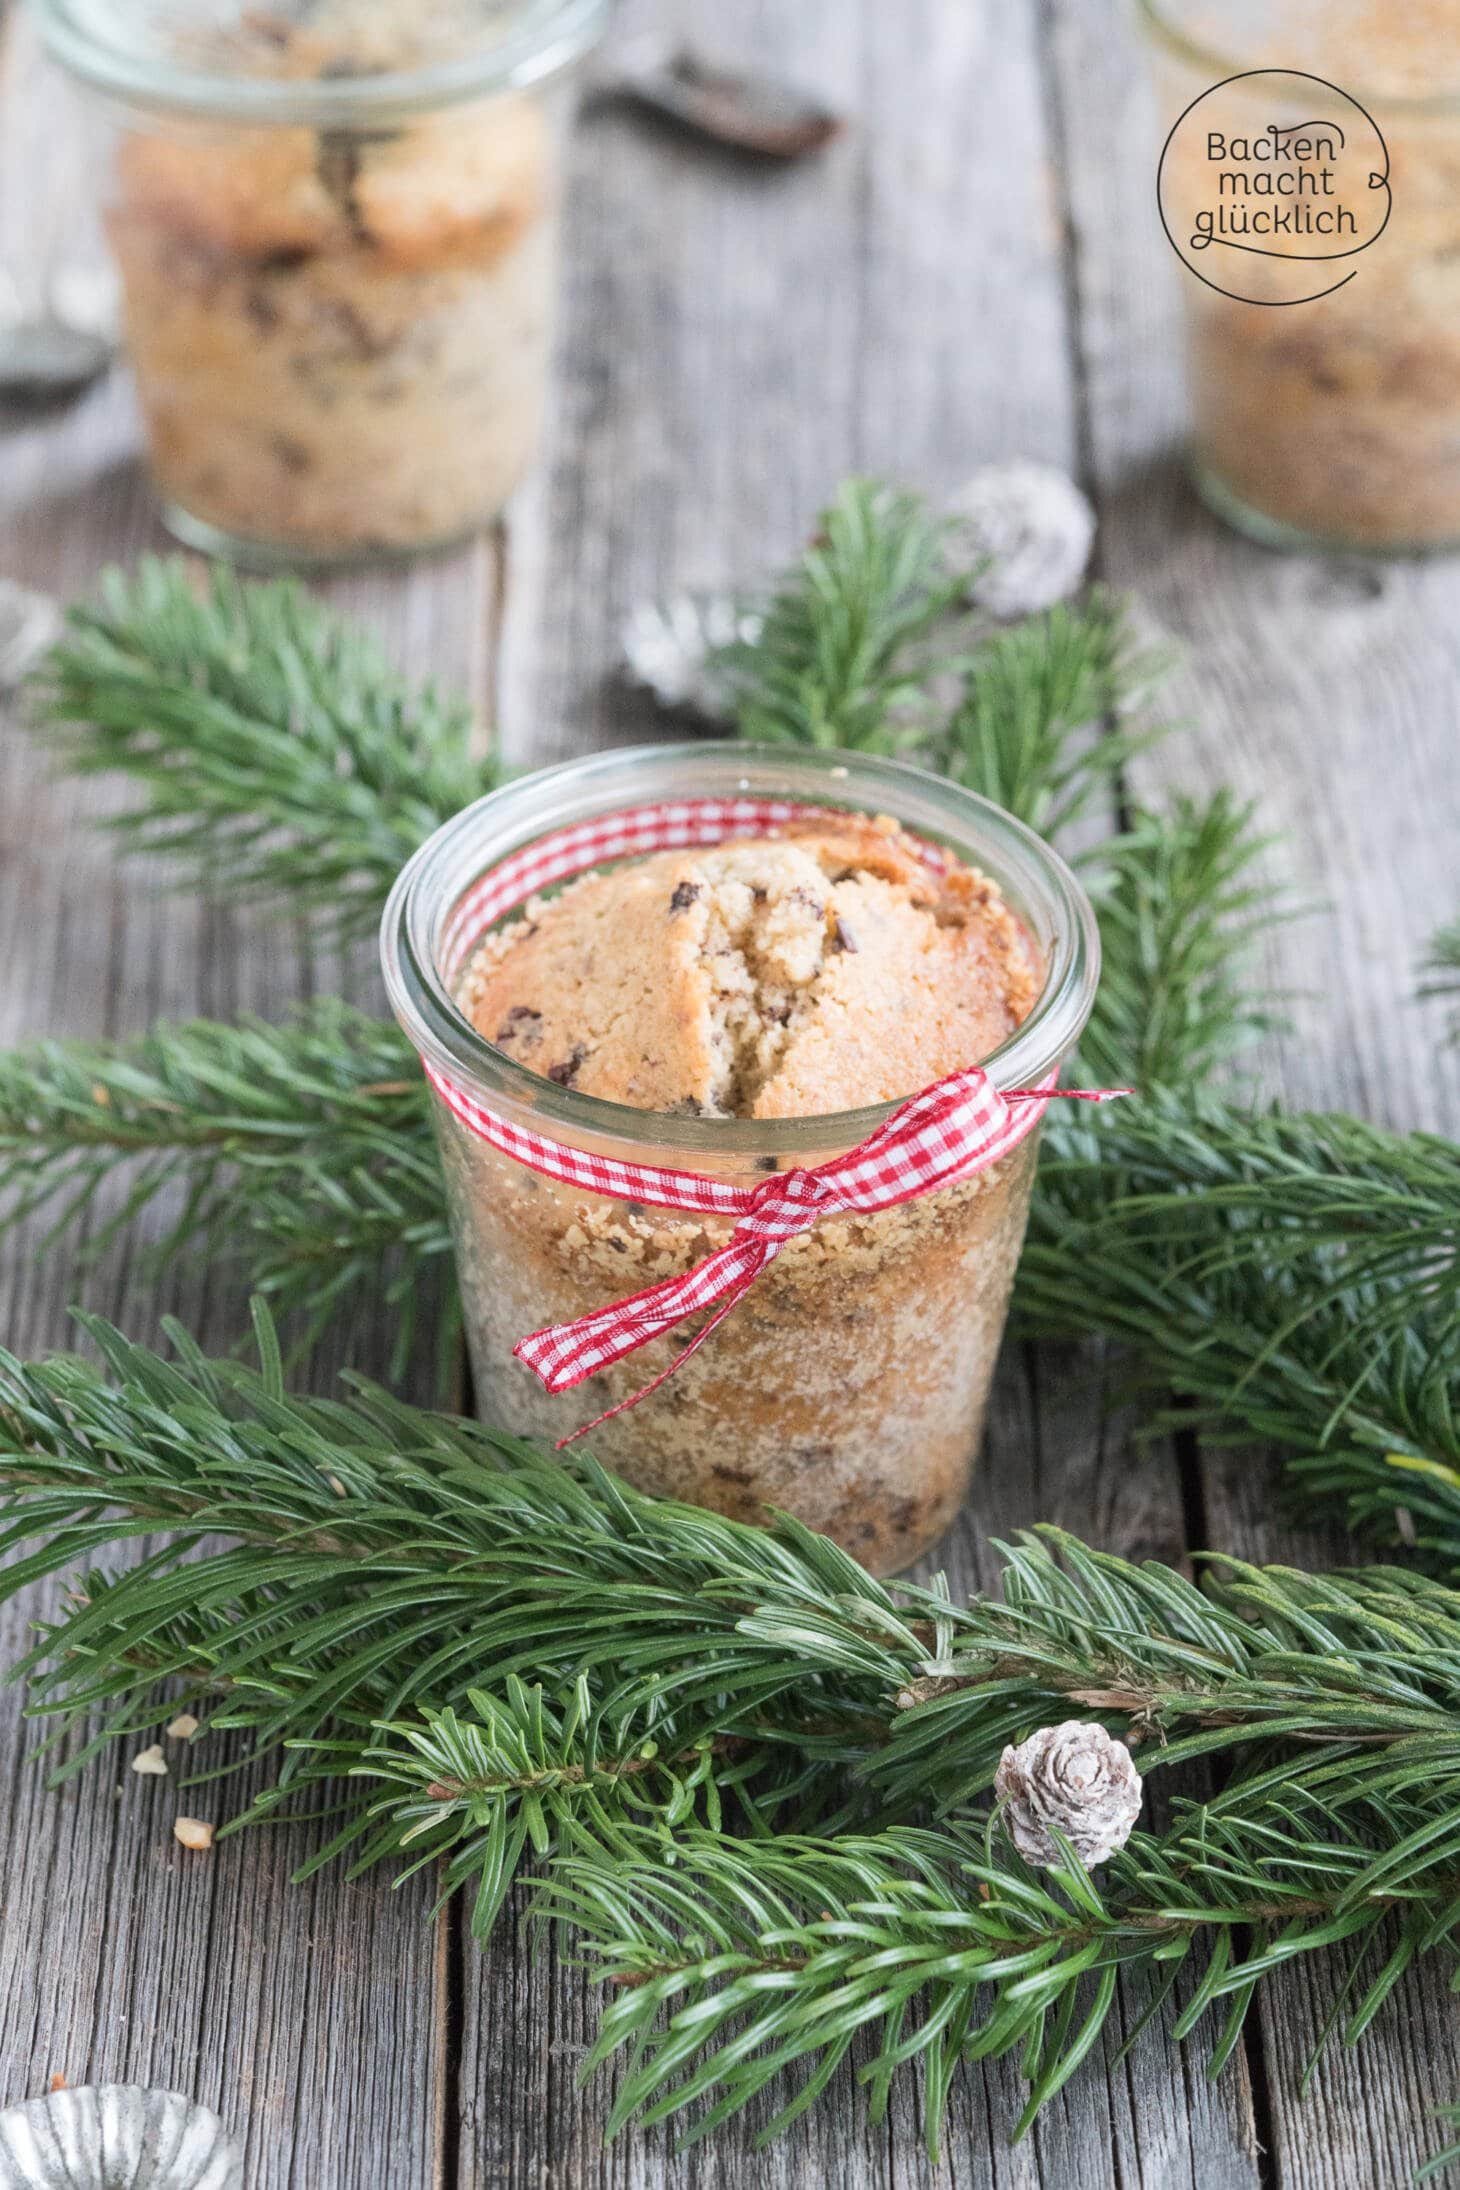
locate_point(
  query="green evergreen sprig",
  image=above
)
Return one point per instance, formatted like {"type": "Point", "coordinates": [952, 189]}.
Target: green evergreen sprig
{"type": "Point", "coordinates": [1051, 710]}
{"type": "Point", "coordinates": [731, 1965]}
{"type": "Point", "coordinates": [302, 1153]}
{"type": "Point", "coordinates": [1182, 902]}
{"type": "Point", "coordinates": [1442, 973]}
{"type": "Point", "coordinates": [276, 756]}
{"type": "Point", "coordinates": [532, 1659]}
{"type": "Point", "coordinates": [1294, 1279]}
{"type": "Point", "coordinates": [381, 1558]}
{"type": "Point", "coordinates": [839, 659]}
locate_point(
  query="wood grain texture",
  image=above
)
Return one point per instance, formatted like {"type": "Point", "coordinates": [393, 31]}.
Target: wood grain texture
{"type": "Point", "coordinates": [974, 271]}
{"type": "Point", "coordinates": [735, 338]}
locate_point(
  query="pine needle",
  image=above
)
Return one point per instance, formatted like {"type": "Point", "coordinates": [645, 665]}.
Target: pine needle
{"type": "Point", "coordinates": [301, 1154]}
{"type": "Point", "coordinates": [1294, 1279]}
{"type": "Point", "coordinates": [277, 758]}
{"type": "Point", "coordinates": [836, 662]}
{"type": "Point", "coordinates": [510, 1658]}
{"type": "Point", "coordinates": [1442, 973]}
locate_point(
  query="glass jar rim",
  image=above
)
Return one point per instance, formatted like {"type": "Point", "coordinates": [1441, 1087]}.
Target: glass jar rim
{"type": "Point", "coordinates": [547, 37]}
{"type": "Point", "coordinates": [1036, 880]}
{"type": "Point", "coordinates": [1159, 19]}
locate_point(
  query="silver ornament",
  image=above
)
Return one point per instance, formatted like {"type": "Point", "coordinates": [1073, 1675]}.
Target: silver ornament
{"type": "Point", "coordinates": [1076, 1778]}
{"type": "Point", "coordinates": [116, 2137]}
{"type": "Point", "coordinates": [1034, 527]}
{"type": "Point", "coordinates": [668, 648]}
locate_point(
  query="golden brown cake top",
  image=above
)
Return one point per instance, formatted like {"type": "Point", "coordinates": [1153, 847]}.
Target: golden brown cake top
{"type": "Point", "coordinates": [769, 977]}
{"type": "Point", "coordinates": [454, 186]}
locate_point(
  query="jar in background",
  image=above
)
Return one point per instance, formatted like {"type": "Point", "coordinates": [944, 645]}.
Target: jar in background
{"type": "Point", "coordinates": [1333, 421]}
{"type": "Point", "coordinates": [849, 1385]}
{"type": "Point", "coordinates": [336, 232]}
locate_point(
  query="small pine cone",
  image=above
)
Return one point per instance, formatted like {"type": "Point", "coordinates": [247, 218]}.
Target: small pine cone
{"type": "Point", "coordinates": [1036, 528]}
{"type": "Point", "coordinates": [1076, 1777]}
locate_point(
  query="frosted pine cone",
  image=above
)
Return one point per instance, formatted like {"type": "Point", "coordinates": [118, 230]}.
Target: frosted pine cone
{"type": "Point", "coordinates": [1075, 1777]}
{"type": "Point", "coordinates": [670, 648]}
{"type": "Point", "coordinates": [1036, 528]}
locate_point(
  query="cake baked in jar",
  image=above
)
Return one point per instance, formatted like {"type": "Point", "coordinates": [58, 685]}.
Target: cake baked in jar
{"type": "Point", "coordinates": [336, 233]}
{"type": "Point", "coordinates": [1323, 369]}
{"type": "Point", "coordinates": [736, 1009]}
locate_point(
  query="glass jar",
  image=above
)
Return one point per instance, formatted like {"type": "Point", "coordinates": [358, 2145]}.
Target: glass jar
{"type": "Point", "coordinates": [848, 1386]}
{"type": "Point", "coordinates": [1321, 419]}
{"type": "Point", "coordinates": [335, 228]}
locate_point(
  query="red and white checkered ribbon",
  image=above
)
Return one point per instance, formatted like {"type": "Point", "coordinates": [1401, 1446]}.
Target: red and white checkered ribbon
{"type": "Point", "coordinates": [948, 1133]}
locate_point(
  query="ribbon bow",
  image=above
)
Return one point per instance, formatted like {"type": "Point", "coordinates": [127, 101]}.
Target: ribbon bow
{"type": "Point", "coordinates": [951, 1131]}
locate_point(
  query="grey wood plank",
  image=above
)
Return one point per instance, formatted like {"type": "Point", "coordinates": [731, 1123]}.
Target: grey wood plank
{"type": "Point", "coordinates": [1325, 689]}
{"type": "Point", "coordinates": [706, 385]}
{"type": "Point", "coordinates": [736, 340]}
{"type": "Point", "coordinates": [313, 2018]}
{"type": "Point", "coordinates": [733, 344]}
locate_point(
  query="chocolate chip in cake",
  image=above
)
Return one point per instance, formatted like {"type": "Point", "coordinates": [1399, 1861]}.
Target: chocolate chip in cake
{"type": "Point", "coordinates": [522, 1024]}
{"type": "Point", "coordinates": [292, 454]}
{"type": "Point", "coordinates": [685, 894]}
{"type": "Point", "coordinates": [260, 308]}
{"type": "Point", "coordinates": [566, 1073]}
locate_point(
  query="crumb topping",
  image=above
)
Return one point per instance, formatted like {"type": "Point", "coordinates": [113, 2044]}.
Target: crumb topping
{"type": "Point", "coordinates": [780, 976]}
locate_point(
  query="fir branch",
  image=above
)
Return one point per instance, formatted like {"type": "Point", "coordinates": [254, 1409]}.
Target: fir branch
{"type": "Point", "coordinates": [383, 1561]}
{"type": "Point", "coordinates": [1296, 1280]}
{"type": "Point", "coordinates": [301, 1153]}
{"type": "Point", "coordinates": [862, 646]}
{"type": "Point", "coordinates": [393, 1576]}
{"type": "Point", "coordinates": [525, 1775]}
{"type": "Point", "coordinates": [837, 659]}
{"type": "Point", "coordinates": [278, 758]}
{"type": "Point", "coordinates": [1050, 714]}
{"type": "Point", "coordinates": [1181, 908]}
{"type": "Point", "coordinates": [731, 1964]}
{"type": "Point", "coordinates": [1441, 970]}
{"type": "Point", "coordinates": [374, 1546]}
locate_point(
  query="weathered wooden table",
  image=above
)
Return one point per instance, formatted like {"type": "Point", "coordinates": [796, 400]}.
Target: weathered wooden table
{"type": "Point", "coordinates": [976, 271]}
